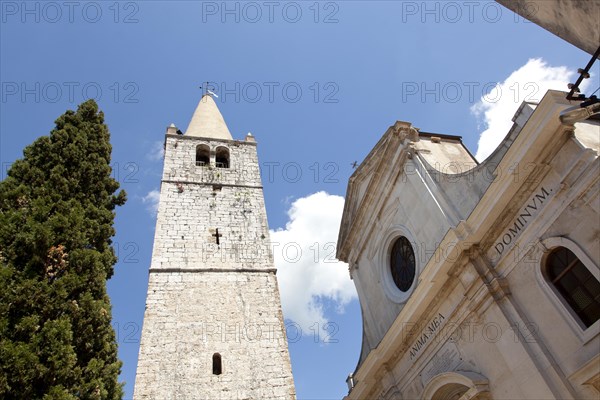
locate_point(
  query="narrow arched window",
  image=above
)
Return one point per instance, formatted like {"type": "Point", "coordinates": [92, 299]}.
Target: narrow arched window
{"type": "Point", "coordinates": [202, 155]}
{"type": "Point", "coordinates": [575, 283]}
{"type": "Point", "coordinates": [222, 157]}
{"type": "Point", "coordinates": [217, 364]}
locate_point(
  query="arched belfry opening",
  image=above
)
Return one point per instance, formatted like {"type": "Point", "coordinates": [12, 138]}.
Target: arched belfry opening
{"type": "Point", "coordinates": [222, 157]}
{"type": "Point", "coordinates": [217, 365]}
{"type": "Point", "coordinates": [202, 155]}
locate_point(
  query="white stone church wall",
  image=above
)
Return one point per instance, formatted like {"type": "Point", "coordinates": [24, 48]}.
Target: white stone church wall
{"type": "Point", "coordinates": [420, 219]}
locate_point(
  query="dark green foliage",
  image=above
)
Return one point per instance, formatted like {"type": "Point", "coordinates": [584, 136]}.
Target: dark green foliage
{"type": "Point", "coordinates": [56, 223]}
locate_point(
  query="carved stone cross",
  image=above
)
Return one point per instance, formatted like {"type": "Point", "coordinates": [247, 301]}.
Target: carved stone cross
{"type": "Point", "coordinates": [217, 235]}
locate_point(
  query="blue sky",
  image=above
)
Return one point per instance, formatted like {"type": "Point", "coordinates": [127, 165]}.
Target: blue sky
{"type": "Point", "coordinates": [317, 83]}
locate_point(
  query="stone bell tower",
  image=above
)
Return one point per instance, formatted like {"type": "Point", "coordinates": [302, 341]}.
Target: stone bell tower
{"type": "Point", "coordinates": [213, 327]}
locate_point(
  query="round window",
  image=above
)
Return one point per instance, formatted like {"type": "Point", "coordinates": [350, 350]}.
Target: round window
{"type": "Point", "coordinates": [402, 264]}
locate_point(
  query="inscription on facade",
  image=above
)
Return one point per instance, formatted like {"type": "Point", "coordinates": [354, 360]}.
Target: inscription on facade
{"type": "Point", "coordinates": [430, 331]}
{"type": "Point", "coordinates": [526, 214]}
{"type": "Point", "coordinates": [446, 359]}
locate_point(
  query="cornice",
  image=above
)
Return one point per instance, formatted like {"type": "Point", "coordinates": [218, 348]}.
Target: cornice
{"type": "Point", "coordinates": [206, 139]}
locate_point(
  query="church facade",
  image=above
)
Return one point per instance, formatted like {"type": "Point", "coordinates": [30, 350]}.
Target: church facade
{"type": "Point", "coordinates": [479, 280]}
{"type": "Point", "coordinates": [213, 326]}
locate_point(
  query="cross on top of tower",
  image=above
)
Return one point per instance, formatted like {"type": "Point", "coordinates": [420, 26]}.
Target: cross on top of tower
{"type": "Point", "coordinates": [208, 88]}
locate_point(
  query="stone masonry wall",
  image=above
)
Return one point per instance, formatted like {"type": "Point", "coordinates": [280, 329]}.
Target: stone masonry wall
{"type": "Point", "coordinates": [206, 297]}
{"type": "Point", "coordinates": [180, 162]}
{"type": "Point", "coordinates": [188, 220]}
{"type": "Point", "coordinates": [195, 201]}
{"type": "Point", "coordinates": [191, 316]}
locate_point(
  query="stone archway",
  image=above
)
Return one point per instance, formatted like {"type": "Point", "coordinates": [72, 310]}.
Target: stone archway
{"type": "Point", "coordinates": [457, 386]}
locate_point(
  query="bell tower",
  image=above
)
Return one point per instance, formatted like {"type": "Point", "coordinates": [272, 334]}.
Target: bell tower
{"type": "Point", "coordinates": [213, 327]}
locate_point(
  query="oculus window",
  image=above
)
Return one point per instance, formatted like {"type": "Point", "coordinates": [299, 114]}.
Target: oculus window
{"type": "Point", "coordinates": [402, 264]}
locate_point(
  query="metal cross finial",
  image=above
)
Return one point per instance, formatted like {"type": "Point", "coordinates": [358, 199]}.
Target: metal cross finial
{"type": "Point", "coordinates": [207, 88]}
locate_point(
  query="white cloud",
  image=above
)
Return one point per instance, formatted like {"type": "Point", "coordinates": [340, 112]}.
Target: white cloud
{"type": "Point", "coordinates": [309, 276]}
{"type": "Point", "coordinates": [151, 201]}
{"type": "Point", "coordinates": [528, 83]}
{"type": "Point", "coordinates": [157, 151]}
{"type": "Point", "coordinates": [287, 200]}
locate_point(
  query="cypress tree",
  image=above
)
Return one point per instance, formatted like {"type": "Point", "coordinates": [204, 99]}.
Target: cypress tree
{"type": "Point", "coordinates": [56, 222]}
